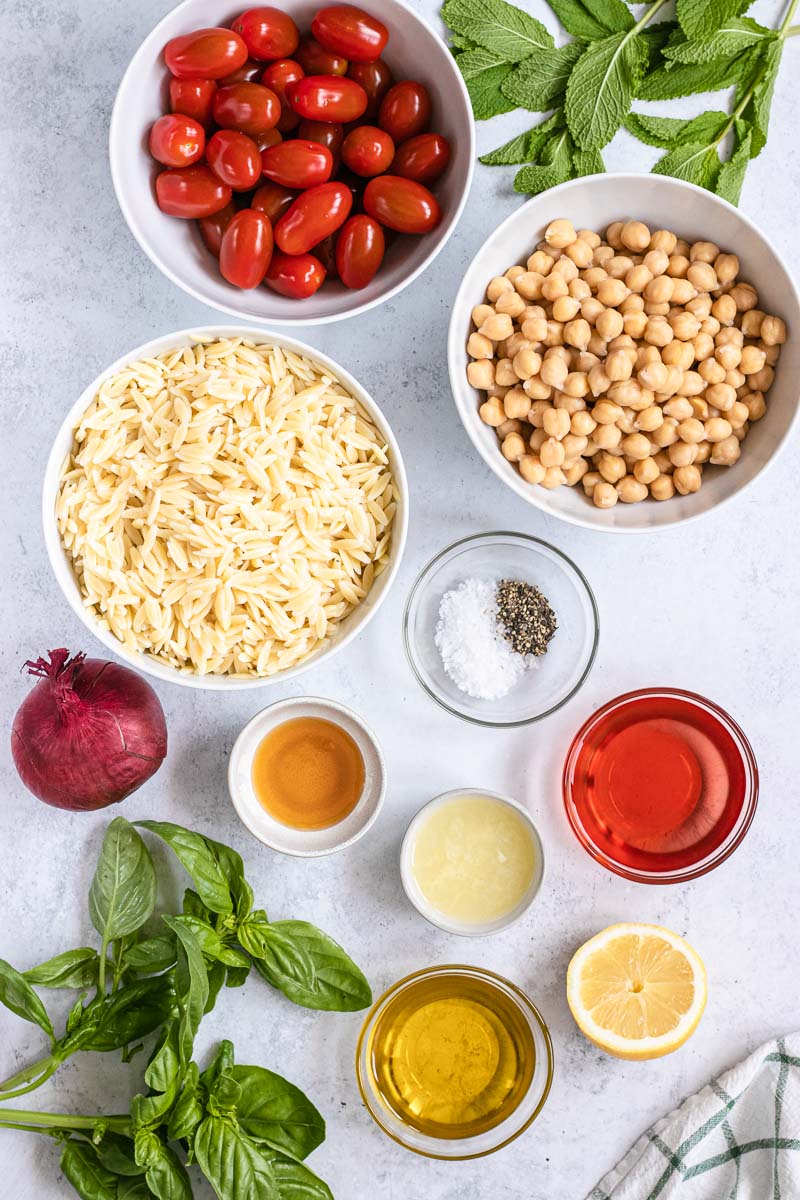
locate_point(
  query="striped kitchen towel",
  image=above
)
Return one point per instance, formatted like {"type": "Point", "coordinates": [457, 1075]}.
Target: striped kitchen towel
{"type": "Point", "coordinates": [737, 1139]}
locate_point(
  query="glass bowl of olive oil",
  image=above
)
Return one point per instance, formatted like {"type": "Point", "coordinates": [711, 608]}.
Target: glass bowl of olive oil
{"type": "Point", "coordinates": [454, 1062]}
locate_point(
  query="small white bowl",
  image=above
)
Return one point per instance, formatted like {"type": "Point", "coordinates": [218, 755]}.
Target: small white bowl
{"type": "Point", "coordinates": [306, 843]}
{"type": "Point", "coordinates": [594, 202]}
{"type": "Point", "coordinates": [421, 904]}
{"type": "Point", "coordinates": [175, 247]}
{"type": "Point", "coordinates": [65, 576]}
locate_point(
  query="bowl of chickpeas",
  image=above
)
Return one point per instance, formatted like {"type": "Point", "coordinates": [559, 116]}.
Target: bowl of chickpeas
{"type": "Point", "coordinates": [624, 352]}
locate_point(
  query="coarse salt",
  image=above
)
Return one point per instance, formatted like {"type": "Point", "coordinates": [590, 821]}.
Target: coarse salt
{"type": "Point", "coordinates": [475, 654]}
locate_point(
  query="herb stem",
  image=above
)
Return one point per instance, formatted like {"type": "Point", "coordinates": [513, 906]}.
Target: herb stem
{"type": "Point", "coordinates": [784, 29]}
{"type": "Point", "coordinates": [43, 1122]}
{"type": "Point", "coordinates": [39, 1072]}
{"type": "Point", "coordinates": [651, 12]}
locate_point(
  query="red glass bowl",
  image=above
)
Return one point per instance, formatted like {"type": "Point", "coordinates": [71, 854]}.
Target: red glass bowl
{"type": "Point", "coordinates": [660, 785]}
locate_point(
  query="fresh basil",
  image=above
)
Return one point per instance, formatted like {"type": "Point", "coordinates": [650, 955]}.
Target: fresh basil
{"type": "Point", "coordinates": [72, 969]}
{"type": "Point", "coordinates": [164, 1172]}
{"type": "Point", "coordinates": [110, 1022]}
{"type": "Point", "coordinates": [151, 955]}
{"type": "Point", "coordinates": [122, 895]}
{"type": "Point", "coordinates": [187, 1112]}
{"type": "Point", "coordinates": [310, 968]}
{"type": "Point", "coordinates": [191, 985]}
{"type": "Point", "coordinates": [232, 867]}
{"type": "Point", "coordinates": [232, 1163]}
{"type": "Point", "coordinates": [196, 857]}
{"type": "Point", "coordinates": [296, 1182]}
{"type": "Point", "coordinates": [82, 1167]}
{"type": "Point", "coordinates": [18, 995]}
{"type": "Point", "coordinates": [273, 1110]}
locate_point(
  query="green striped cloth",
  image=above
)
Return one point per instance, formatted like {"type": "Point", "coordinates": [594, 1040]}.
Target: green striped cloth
{"type": "Point", "coordinates": [737, 1139]}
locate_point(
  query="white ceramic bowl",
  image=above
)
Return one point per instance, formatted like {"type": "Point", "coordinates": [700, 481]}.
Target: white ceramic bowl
{"type": "Point", "coordinates": [662, 203]}
{"type": "Point", "coordinates": [175, 247]}
{"type": "Point", "coordinates": [420, 901]}
{"type": "Point", "coordinates": [349, 627]}
{"type": "Point", "coordinates": [306, 843]}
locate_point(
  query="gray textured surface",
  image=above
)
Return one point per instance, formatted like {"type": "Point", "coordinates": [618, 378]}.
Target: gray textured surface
{"type": "Point", "coordinates": [713, 608]}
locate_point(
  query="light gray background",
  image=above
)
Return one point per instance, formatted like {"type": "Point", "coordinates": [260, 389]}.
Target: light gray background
{"type": "Point", "coordinates": [713, 608]}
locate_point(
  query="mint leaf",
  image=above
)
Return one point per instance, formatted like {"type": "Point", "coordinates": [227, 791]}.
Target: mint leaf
{"type": "Point", "coordinates": [702, 18]}
{"type": "Point", "coordinates": [600, 89]}
{"type": "Point", "coordinates": [525, 146]}
{"type": "Point", "coordinates": [508, 31]}
{"type": "Point", "coordinates": [656, 38]}
{"type": "Point", "coordinates": [484, 73]}
{"type": "Point", "coordinates": [557, 153]}
{"type": "Point", "coordinates": [588, 162]}
{"type": "Point", "coordinates": [672, 81]}
{"type": "Point", "coordinates": [676, 131]}
{"type": "Point", "coordinates": [695, 162]}
{"type": "Point", "coordinates": [541, 80]}
{"type": "Point", "coordinates": [533, 180]}
{"type": "Point", "coordinates": [592, 19]}
{"type": "Point", "coordinates": [732, 173]}
{"type": "Point", "coordinates": [757, 111]}
{"type": "Point", "coordinates": [737, 34]}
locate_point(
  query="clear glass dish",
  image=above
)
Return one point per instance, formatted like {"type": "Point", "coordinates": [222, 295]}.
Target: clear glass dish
{"type": "Point", "coordinates": [570, 655]}
{"type": "Point", "coordinates": [526, 1111]}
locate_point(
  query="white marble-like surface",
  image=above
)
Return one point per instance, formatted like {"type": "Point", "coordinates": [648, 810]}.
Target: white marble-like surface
{"type": "Point", "coordinates": [713, 609]}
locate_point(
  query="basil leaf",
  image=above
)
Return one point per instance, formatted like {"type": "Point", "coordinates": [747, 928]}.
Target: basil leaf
{"type": "Point", "coordinates": [541, 80]}
{"type": "Point", "coordinates": [310, 968]}
{"type": "Point", "coordinates": [236, 976]}
{"type": "Point", "coordinates": [164, 1068]}
{"type": "Point", "coordinates": [18, 995]}
{"type": "Point", "coordinates": [233, 869]}
{"type": "Point", "coordinates": [133, 1189]}
{"type": "Point", "coordinates": [165, 1174]}
{"type": "Point", "coordinates": [601, 87]}
{"type": "Point", "coordinates": [187, 1112]}
{"type": "Point", "coordinates": [221, 1063]}
{"type": "Point", "coordinates": [735, 35]}
{"type": "Point", "coordinates": [497, 26]}
{"type": "Point", "coordinates": [217, 972]}
{"type": "Point", "coordinates": [232, 1163]}
{"type": "Point", "coordinates": [197, 858]}
{"type": "Point", "coordinates": [116, 1153]}
{"type": "Point", "coordinates": [484, 73]}
{"type": "Point", "coordinates": [273, 1110]}
{"type": "Point", "coordinates": [152, 954]}
{"type": "Point", "coordinates": [122, 895]}
{"type": "Point", "coordinates": [757, 111]}
{"type": "Point", "coordinates": [82, 1168]}
{"type": "Point", "coordinates": [702, 18]}
{"type": "Point", "coordinates": [191, 985]}
{"type": "Point", "coordinates": [72, 969]}
{"type": "Point", "coordinates": [732, 173]}
{"type": "Point", "coordinates": [696, 162]}
{"type": "Point", "coordinates": [296, 1182]}
{"type": "Point", "coordinates": [110, 1022]}
{"type": "Point", "coordinates": [670, 82]}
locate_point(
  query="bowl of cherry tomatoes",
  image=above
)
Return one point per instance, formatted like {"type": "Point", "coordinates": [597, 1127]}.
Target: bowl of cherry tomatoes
{"type": "Point", "coordinates": [296, 163]}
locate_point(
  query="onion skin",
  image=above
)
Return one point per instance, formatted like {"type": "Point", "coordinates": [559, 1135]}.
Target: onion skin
{"type": "Point", "coordinates": [88, 734]}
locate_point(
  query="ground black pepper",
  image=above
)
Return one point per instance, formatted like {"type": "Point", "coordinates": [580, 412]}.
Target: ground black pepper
{"type": "Point", "coordinates": [525, 617]}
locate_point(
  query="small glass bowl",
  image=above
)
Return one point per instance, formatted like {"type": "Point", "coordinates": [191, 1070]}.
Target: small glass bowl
{"type": "Point", "coordinates": [491, 1140]}
{"type": "Point", "coordinates": [719, 841]}
{"type": "Point", "coordinates": [570, 655]}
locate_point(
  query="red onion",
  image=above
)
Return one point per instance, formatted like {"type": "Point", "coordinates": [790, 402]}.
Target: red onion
{"type": "Point", "coordinates": [89, 733]}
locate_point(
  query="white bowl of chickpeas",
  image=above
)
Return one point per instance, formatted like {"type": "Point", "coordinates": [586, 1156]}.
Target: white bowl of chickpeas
{"type": "Point", "coordinates": [616, 366]}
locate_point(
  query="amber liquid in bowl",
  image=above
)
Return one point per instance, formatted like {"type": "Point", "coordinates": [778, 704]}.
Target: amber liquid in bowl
{"type": "Point", "coordinates": [308, 773]}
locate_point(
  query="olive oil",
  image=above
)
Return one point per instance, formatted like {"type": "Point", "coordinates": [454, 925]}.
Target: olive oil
{"type": "Point", "coordinates": [452, 1056]}
{"type": "Point", "coordinates": [308, 773]}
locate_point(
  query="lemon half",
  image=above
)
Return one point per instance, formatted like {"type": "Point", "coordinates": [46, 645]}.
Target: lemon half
{"type": "Point", "coordinates": [637, 991]}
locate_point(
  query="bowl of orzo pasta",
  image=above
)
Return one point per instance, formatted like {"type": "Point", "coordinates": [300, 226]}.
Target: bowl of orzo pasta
{"type": "Point", "coordinates": [224, 507]}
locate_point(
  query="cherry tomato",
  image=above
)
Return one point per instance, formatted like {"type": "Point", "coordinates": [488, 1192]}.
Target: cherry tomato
{"type": "Point", "coordinates": [367, 150]}
{"type": "Point", "coordinates": [177, 141]}
{"type": "Point", "coordinates": [355, 185]}
{"type": "Point", "coordinates": [270, 137]}
{"type": "Point", "coordinates": [193, 98]}
{"type": "Point", "coordinates": [234, 158]}
{"type": "Point", "coordinates": [350, 31]}
{"type": "Point", "coordinates": [327, 98]}
{"type": "Point", "coordinates": [316, 60]}
{"type": "Point", "coordinates": [267, 32]}
{"type": "Point", "coordinates": [205, 54]}
{"type": "Point", "coordinates": [423, 158]}
{"type": "Point", "coordinates": [405, 110]}
{"type": "Point", "coordinates": [296, 276]}
{"type": "Point", "coordinates": [249, 73]}
{"type": "Point", "coordinates": [359, 251]}
{"type": "Point", "coordinates": [325, 251]}
{"type": "Point", "coordinates": [376, 79]}
{"type": "Point", "coordinates": [213, 227]}
{"type": "Point", "coordinates": [191, 192]}
{"type": "Point", "coordinates": [246, 249]}
{"type": "Point", "coordinates": [402, 204]}
{"type": "Point", "coordinates": [297, 164]}
{"type": "Point", "coordinates": [248, 107]}
{"type": "Point", "coordinates": [273, 200]}
{"type": "Point", "coordinates": [314, 214]}
{"type": "Point", "coordinates": [277, 75]}
{"type": "Point", "coordinates": [327, 133]}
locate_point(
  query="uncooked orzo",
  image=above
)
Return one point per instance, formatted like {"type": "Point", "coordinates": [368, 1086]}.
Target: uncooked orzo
{"type": "Point", "coordinates": [225, 505]}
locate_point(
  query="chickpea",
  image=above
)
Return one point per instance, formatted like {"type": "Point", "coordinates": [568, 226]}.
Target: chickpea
{"type": "Point", "coordinates": [611, 292]}
{"type": "Point", "coordinates": [630, 394]}
{"type": "Point", "coordinates": [554, 286]}
{"type": "Point", "coordinates": [646, 470]}
{"type": "Point", "coordinates": [516, 404]}
{"type": "Point", "coordinates": [700, 306]}
{"type": "Point", "coordinates": [591, 480]}
{"type": "Point", "coordinates": [666, 434]}
{"type": "Point", "coordinates": [761, 381]}
{"type": "Point", "coordinates": [576, 472]}
{"type": "Point", "coordinates": [679, 354]}
{"type": "Point", "coordinates": [594, 276]}
{"type": "Point", "coordinates": [529, 285]}
{"type": "Point", "coordinates": [480, 312]}
{"type": "Point", "coordinates": [536, 413]}
{"type": "Point", "coordinates": [535, 328]}
{"type": "Point", "coordinates": [656, 260]}
{"type": "Point", "coordinates": [703, 347]}
{"type": "Point", "coordinates": [580, 252]}
{"type": "Point", "coordinates": [711, 371]}
{"type": "Point", "coordinates": [654, 375]}
{"type": "Point", "coordinates": [687, 479]}
{"type": "Point", "coordinates": [635, 236]}
{"type": "Point", "coordinates": [752, 359]}
{"type": "Point", "coordinates": [630, 490]}
{"type": "Point", "coordinates": [611, 467]}
{"type": "Point", "coordinates": [514, 272]}
{"type": "Point", "coordinates": [711, 326]}
{"type": "Point", "coordinates": [607, 437]}
{"type": "Point", "coordinates": [527, 363]}
{"type": "Point", "coordinates": [577, 333]}
{"type": "Point", "coordinates": [726, 267]}
{"type": "Point", "coordinates": [515, 343]}
{"type": "Point", "coordinates": [729, 355]}
{"type": "Point", "coordinates": [618, 266]}
{"type": "Point", "coordinates": [649, 419]}
{"type": "Point", "coordinates": [735, 378]}
{"type": "Point", "coordinates": [609, 323]}
{"type": "Point", "coordinates": [554, 372]}
{"type": "Point", "coordinates": [565, 308]}
{"type": "Point", "coordinates": [773, 353]}
{"type": "Point", "coordinates": [552, 453]}
{"type": "Point", "coordinates": [679, 408]}
{"type": "Point", "coordinates": [481, 373]}
{"type": "Point", "coordinates": [741, 433]}
{"type": "Point", "coordinates": [554, 335]}
{"type": "Point", "coordinates": [677, 266]}
{"type": "Point", "coordinates": [645, 355]}
{"type": "Point", "coordinates": [599, 382]}
{"type": "Point", "coordinates": [536, 388]}
{"type": "Point", "coordinates": [584, 361]}
{"type": "Point", "coordinates": [556, 425]}
{"type": "Point", "coordinates": [496, 390]}
{"type": "Point", "coordinates": [553, 477]}
{"type": "Point", "coordinates": [632, 303]}
{"type": "Point", "coordinates": [635, 323]}
{"type": "Point", "coordinates": [504, 373]}
{"type": "Point", "coordinates": [540, 263]}
{"type": "Point", "coordinates": [604, 495]}
{"type": "Point", "coordinates": [570, 404]}
{"type": "Point", "coordinates": [752, 321]}
{"type": "Point", "coordinates": [576, 384]}
{"type": "Point", "coordinates": [684, 325]}
{"type": "Point", "coordinates": [691, 430]}
{"type": "Point", "coordinates": [659, 290]}
{"type": "Point", "coordinates": [738, 415]}
{"type": "Point", "coordinates": [591, 309]}
{"type": "Point", "coordinates": [579, 290]}
{"type": "Point", "coordinates": [756, 405]}
{"type": "Point", "coordinates": [662, 488]}
{"type": "Point", "coordinates": [531, 469]}
{"type": "Point", "coordinates": [511, 426]}
{"type": "Point", "coordinates": [682, 291]}
{"type": "Point", "coordinates": [614, 234]}
{"type": "Point", "coordinates": [693, 384]}
{"type": "Point", "coordinates": [638, 278]}
{"type": "Point", "coordinates": [582, 423]}
{"type": "Point", "coordinates": [497, 287]}
{"type": "Point", "coordinates": [492, 412]}
{"type": "Point", "coordinates": [704, 252]}
{"type": "Point", "coordinates": [496, 327]}
{"type": "Point", "coordinates": [724, 310]}
{"type": "Point", "coordinates": [656, 310]}
{"type": "Point", "coordinates": [745, 296]}
{"type": "Point", "coordinates": [560, 234]}
{"type": "Point", "coordinates": [717, 429]}
{"type": "Point", "coordinates": [618, 366]}
{"type": "Point", "coordinates": [726, 453]}
{"type": "Point", "coordinates": [657, 332]}
{"type": "Point", "coordinates": [537, 440]}
{"type": "Point", "coordinates": [636, 446]}
{"type": "Point", "coordinates": [721, 396]}
{"type": "Point", "coordinates": [566, 268]}
{"type": "Point", "coordinates": [574, 445]}
{"type": "Point", "coordinates": [513, 447]}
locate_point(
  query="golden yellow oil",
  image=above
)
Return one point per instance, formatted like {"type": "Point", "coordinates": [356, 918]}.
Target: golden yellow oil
{"type": "Point", "coordinates": [452, 1056]}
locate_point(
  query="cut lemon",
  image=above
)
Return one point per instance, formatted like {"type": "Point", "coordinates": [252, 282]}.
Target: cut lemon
{"type": "Point", "coordinates": [637, 991]}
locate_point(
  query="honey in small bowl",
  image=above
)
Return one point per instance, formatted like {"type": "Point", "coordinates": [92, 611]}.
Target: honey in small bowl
{"type": "Point", "coordinates": [308, 773]}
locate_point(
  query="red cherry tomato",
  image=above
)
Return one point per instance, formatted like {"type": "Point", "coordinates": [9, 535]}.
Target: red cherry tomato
{"type": "Point", "coordinates": [316, 60]}
{"type": "Point", "coordinates": [325, 251]}
{"type": "Point", "coordinates": [297, 164]}
{"type": "Point", "coordinates": [405, 110]}
{"type": "Point", "coordinates": [402, 204]}
{"type": "Point", "coordinates": [177, 141]}
{"type": "Point", "coordinates": [234, 158]}
{"type": "Point", "coordinates": [205, 54]}
{"type": "Point", "coordinates": [314, 214]}
{"type": "Point", "coordinates": [376, 79]}
{"type": "Point", "coordinates": [213, 227]}
{"type": "Point", "coordinates": [277, 75]}
{"type": "Point", "coordinates": [191, 192]}
{"type": "Point", "coordinates": [327, 133]}
{"type": "Point", "coordinates": [296, 276]}
{"type": "Point", "coordinates": [267, 32]}
{"type": "Point", "coordinates": [359, 251]}
{"type": "Point", "coordinates": [327, 98]}
{"type": "Point", "coordinates": [367, 150]}
{"type": "Point", "coordinates": [249, 73]}
{"type": "Point", "coordinates": [246, 249]}
{"type": "Point", "coordinates": [423, 158]}
{"type": "Point", "coordinates": [273, 200]}
{"type": "Point", "coordinates": [350, 31]}
{"type": "Point", "coordinates": [193, 98]}
{"type": "Point", "coordinates": [248, 107]}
